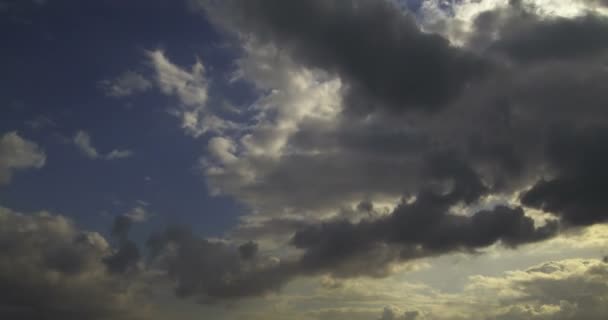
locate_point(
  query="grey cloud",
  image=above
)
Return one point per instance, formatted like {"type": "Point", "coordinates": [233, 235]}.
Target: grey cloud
{"type": "Point", "coordinates": [575, 193]}
{"type": "Point", "coordinates": [126, 257]}
{"type": "Point", "coordinates": [389, 314]}
{"type": "Point", "coordinates": [49, 269]}
{"type": "Point", "coordinates": [376, 48]}
{"type": "Point", "coordinates": [248, 250]}
{"type": "Point", "coordinates": [275, 227]}
{"type": "Point", "coordinates": [420, 229]}
{"type": "Point", "coordinates": [536, 118]}
{"type": "Point", "coordinates": [575, 288]}
{"type": "Point", "coordinates": [214, 271]}
{"type": "Point", "coordinates": [529, 38]}
{"type": "Point", "coordinates": [597, 2]}
{"type": "Point", "coordinates": [121, 226]}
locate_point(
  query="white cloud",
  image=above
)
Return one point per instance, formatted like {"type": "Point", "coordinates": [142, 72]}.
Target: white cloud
{"type": "Point", "coordinates": [83, 141]}
{"type": "Point", "coordinates": [457, 23]}
{"type": "Point", "coordinates": [138, 214]}
{"type": "Point", "coordinates": [118, 154]}
{"type": "Point", "coordinates": [190, 87]}
{"type": "Point", "coordinates": [293, 96]}
{"type": "Point", "coordinates": [17, 153]}
{"type": "Point", "coordinates": [126, 84]}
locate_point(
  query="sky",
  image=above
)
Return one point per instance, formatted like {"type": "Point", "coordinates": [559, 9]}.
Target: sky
{"type": "Point", "coordinates": [305, 160]}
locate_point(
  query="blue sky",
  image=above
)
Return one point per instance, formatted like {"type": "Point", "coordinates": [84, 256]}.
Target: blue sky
{"type": "Point", "coordinates": [52, 70]}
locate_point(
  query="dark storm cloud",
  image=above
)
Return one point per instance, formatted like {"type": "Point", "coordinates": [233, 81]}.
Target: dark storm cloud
{"type": "Point", "coordinates": [420, 229]}
{"type": "Point", "coordinates": [577, 192]}
{"type": "Point", "coordinates": [376, 48]}
{"type": "Point", "coordinates": [526, 37]}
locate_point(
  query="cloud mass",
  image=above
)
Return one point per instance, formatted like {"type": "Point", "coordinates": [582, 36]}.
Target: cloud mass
{"type": "Point", "coordinates": [333, 159]}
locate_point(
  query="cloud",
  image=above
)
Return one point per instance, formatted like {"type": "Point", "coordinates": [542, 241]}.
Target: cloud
{"type": "Point", "coordinates": [421, 229]}
{"type": "Point", "coordinates": [526, 37]}
{"type": "Point", "coordinates": [338, 157]}
{"type": "Point", "coordinates": [574, 193]}
{"type": "Point", "coordinates": [49, 269]}
{"type": "Point", "coordinates": [17, 153]}
{"type": "Point", "coordinates": [83, 141]}
{"type": "Point", "coordinates": [138, 214]}
{"type": "Point", "coordinates": [516, 118]}
{"type": "Point", "coordinates": [128, 83]}
{"type": "Point", "coordinates": [214, 271]}
{"type": "Point", "coordinates": [568, 289]}
{"type": "Point", "coordinates": [375, 48]}
{"type": "Point", "coordinates": [191, 88]}
{"type": "Point", "coordinates": [307, 154]}
{"type": "Point", "coordinates": [126, 257]}
{"type": "Point", "coordinates": [389, 314]}
{"type": "Point", "coordinates": [374, 142]}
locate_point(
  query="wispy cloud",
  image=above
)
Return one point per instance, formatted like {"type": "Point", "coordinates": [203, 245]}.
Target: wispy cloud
{"type": "Point", "coordinates": [128, 83]}
{"type": "Point", "coordinates": [83, 141]}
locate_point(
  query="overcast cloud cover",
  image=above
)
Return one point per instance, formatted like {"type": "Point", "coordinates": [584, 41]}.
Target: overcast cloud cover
{"type": "Point", "coordinates": [319, 159]}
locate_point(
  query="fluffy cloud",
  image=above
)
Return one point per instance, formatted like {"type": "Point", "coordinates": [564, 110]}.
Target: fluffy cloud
{"type": "Point", "coordinates": [49, 269]}
{"type": "Point", "coordinates": [569, 289]}
{"type": "Point", "coordinates": [213, 270]}
{"type": "Point", "coordinates": [376, 140]}
{"type": "Point", "coordinates": [397, 54]}
{"type": "Point", "coordinates": [511, 112]}
{"type": "Point", "coordinates": [17, 153]}
{"type": "Point", "coordinates": [82, 140]}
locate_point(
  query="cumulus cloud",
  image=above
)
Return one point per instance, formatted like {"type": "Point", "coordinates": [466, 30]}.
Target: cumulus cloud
{"type": "Point", "coordinates": [378, 140]}
{"type": "Point", "coordinates": [288, 143]}
{"type": "Point", "coordinates": [395, 55]}
{"type": "Point", "coordinates": [568, 289]}
{"type": "Point", "coordinates": [82, 140]}
{"type": "Point", "coordinates": [17, 153]}
{"type": "Point", "coordinates": [511, 112]}
{"type": "Point", "coordinates": [49, 269]}
{"type": "Point", "coordinates": [212, 270]}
